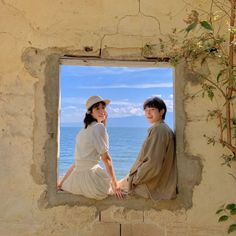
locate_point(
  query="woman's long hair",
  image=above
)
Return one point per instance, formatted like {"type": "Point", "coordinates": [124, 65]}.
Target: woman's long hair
{"type": "Point", "coordinates": [88, 119]}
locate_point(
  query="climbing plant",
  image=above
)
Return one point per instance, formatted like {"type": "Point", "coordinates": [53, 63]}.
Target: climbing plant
{"type": "Point", "coordinates": [210, 37]}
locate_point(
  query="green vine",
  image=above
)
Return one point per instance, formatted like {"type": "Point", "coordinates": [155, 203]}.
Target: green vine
{"type": "Point", "coordinates": [198, 44]}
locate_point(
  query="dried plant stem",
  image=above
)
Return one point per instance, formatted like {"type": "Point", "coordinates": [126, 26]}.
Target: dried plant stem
{"type": "Point", "coordinates": [221, 126]}
{"type": "Point", "coordinates": [230, 83]}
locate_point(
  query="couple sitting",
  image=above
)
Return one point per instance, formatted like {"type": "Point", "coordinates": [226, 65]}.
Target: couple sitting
{"type": "Point", "coordinates": [154, 173]}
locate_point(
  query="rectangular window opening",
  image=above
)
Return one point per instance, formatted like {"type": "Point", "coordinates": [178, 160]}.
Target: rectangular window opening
{"type": "Point", "coordinates": [127, 85]}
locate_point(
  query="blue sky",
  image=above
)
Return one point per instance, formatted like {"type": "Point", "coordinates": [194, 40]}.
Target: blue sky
{"type": "Point", "coordinates": [126, 87]}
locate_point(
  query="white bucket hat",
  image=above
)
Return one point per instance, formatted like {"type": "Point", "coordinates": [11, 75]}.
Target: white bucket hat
{"type": "Point", "coordinates": [95, 99]}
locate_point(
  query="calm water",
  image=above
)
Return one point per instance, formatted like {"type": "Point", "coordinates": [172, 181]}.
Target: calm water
{"type": "Point", "coordinates": [125, 144]}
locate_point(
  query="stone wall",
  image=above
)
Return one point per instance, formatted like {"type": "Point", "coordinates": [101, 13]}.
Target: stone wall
{"type": "Point", "coordinates": [106, 29]}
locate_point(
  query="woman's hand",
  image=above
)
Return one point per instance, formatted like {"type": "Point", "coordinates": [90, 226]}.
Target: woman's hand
{"type": "Point", "coordinates": [67, 174]}
{"type": "Point", "coordinates": [106, 158]}
{"type": "Point", "coordinates": [59, 185]}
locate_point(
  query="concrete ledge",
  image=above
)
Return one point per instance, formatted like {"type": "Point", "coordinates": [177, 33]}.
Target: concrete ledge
{"type": "Point", "coordinates": [49, 199]}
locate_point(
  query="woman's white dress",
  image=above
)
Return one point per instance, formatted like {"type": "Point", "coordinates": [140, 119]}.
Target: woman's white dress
{"type": "Point", "coordinates": [88, 178]}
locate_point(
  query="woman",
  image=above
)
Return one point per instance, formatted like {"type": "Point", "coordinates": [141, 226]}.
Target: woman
{"type": "Point", "coordinates": [85, 176]}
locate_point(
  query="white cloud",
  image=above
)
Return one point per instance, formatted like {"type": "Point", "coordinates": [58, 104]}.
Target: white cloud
{"type": "Point", "coordinates": [115, 112]}
{"type": "Point", "coordinates": [169, 104]}
{"type": "Point", "coordinates": [157, 95]}
{"type": "Point", "coordinates": [120, 108]}
{"type": "Point", "coordinates": [70, 108]}
{"type": "Point", "coordinates": [124, 102]}
{"type": "Point", "coordinates": [73, 101]}
{"type": "Point", "coordinates": [75, 71]}
{"type": "Point", "coordinates": [137, 86]}
{"type": "Point", "coordinates": [72, 115]}
{"type": "Point", "coordinates": [125, 108]}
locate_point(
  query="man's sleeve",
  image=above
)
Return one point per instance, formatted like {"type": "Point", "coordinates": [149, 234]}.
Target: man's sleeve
{"type": "Point", "coordinates": [154, 153]}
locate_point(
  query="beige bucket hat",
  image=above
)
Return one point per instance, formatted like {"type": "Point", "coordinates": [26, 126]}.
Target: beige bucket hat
{"type": "Point", "coordinates": [95, 99]}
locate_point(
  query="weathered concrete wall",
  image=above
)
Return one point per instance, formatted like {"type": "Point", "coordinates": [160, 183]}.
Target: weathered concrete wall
{"type": "Point", "coordinates": [107, 29]}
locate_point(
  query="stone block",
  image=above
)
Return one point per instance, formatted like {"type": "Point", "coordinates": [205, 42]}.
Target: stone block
{"type": "Point", "coordinates": [121, 215]}
{"type": "Point", "coordinates": [164, 217]}
{"type": "Point", "coordinates": [177, 230]}
{"type": "Point", "coordinates": [200, 231]}
{"type": "Point", "coordinates": [141, 230]}
{"type": "Point", "coordinates": [103, 229]}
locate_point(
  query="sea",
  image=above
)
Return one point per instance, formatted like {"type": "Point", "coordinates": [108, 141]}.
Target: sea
{"type": "Point", "coordinates": [125, 144]}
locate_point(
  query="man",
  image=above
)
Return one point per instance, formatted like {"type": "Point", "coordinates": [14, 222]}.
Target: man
{"type": "Point", "coordinates": [154, 174]}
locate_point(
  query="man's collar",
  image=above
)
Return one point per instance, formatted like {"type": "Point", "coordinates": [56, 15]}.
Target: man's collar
{"type": "Point", "coordinates": [156, 124]}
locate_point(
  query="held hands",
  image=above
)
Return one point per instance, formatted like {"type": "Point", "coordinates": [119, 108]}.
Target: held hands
{"type": "Point", "coordinates": [117, 190]}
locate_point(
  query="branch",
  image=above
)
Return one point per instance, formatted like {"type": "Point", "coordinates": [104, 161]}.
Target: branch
{"type": "Point", "coordinates": [194, 7]}
{"type": "Point", "coordinates": [217, 86]}
{"type": "Point", "coordinates": [221, 8]}
{"type": "Point", "coordinates": [231, 64]}
{"type": "Point", "coordinates": [211, 11]}
{"type": "Point", "coordinates": [219, 45]}
{"type": "Point", "coordinates": [221, 126]}
{"type": "Point", "coordinates": [213, 83]}
{"type": "Point", "coordinates": [229, 146]}
{"type": "Point", "coordinates": [232, 175]}
{"type": "Point", "coordinates": [222, 4]}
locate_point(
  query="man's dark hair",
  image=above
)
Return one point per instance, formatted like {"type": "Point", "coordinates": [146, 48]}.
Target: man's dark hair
{"type": "Point", "coordinates": [156, 102]}
{"type": "Point", "coordinates": [88, 119]}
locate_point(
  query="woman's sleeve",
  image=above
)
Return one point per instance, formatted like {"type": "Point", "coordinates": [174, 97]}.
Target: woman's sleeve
{"type": "Point", "coordinates": [100, 139]}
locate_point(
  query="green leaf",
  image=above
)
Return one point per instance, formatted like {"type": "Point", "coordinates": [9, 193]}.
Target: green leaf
{"type": "Point", "coordinates": [210, 94]}
{"type": "Point", "coordinates": [219, 211]}
{"type": "Point", "coordinates": [231, 206]}
{"type": "Point", "coordinates": [203, 60]}
{"type": "Point", "coordinates": [233, 212]}
{"type": "Point", "coordinates": [191, 27]}
{"type": "Point", "coordinates": [223, 218]}
{"type": "Point", "coordinates": [232, 77]}
{"type": "Point", "coordinates": [234, 121]}
{"type": "Point", "coordinates": [232, 228]}
{"type": "Point", "coordinates": [206, 25]}
{"type": "Point", "coordinates": [220, 74]}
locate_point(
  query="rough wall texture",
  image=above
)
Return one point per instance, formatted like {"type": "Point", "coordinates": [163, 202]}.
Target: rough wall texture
{"type": "Point", "coordinates": [109, 29]}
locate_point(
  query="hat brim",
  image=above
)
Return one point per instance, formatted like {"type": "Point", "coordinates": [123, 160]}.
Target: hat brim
{"type": "Point", "coordinates": [107, 101]}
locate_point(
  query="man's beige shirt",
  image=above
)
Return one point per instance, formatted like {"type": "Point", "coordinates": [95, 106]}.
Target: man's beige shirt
{"type": "Point", "coordinates": [155, 166]}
